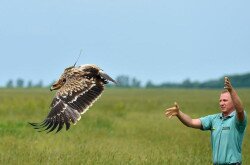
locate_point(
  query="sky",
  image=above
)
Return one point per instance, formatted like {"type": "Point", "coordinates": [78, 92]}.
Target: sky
{"type": "Point", "coordinates": [157, 40]}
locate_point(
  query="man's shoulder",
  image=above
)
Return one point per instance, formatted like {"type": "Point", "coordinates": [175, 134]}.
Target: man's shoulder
{"type": "Point", "coordinates": [208, 121]}
{"type": "Point", "coordinates": [211, 117]}
{"type": "Point", "coordinates": [216, 115]}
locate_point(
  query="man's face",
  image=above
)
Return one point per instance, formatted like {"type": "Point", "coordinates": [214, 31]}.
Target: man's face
{"type": "Point", "coordinates": [226, 103]}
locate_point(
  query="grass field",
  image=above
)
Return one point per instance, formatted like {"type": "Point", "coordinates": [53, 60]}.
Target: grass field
{"type": "Point", "coordinates": [125, 126]}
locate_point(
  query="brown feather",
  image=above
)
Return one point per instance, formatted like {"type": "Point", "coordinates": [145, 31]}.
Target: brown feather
{"type": "Point", "coordinates": [78, 88]}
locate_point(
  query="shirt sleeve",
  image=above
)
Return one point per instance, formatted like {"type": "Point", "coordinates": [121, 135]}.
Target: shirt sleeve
{"type": "Point", "coordinates": [206, 122]}
{"type": "Point", "coordinates": [241, 125]}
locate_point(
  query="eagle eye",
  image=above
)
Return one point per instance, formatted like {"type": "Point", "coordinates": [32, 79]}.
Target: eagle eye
{"type": "Point", "coordinates": [64, 80]}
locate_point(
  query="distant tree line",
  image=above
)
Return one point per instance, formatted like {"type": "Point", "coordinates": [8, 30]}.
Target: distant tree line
{"type": "Point", "coordinates": [124, 81]}
{"type": "Point", "coordinates": [20, 83]}
{"type": "Point", "coordinates": [239, 81]}
{"type": "Point", "coordinates": [242, 80]}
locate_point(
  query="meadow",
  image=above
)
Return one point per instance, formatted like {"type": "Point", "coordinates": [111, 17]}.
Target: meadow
{"type": "Point", "coordinates": [125, 126]}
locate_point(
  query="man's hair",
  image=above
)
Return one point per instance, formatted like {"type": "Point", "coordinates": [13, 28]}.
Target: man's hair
{"type": "Point", "coordinates": [224, 91]}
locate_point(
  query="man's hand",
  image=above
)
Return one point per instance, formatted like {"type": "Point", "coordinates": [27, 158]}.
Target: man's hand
{"type": "Point", "coordinates": [228, 85]}
{"type": "Point", "coordinates": [173, 111]}
{"type": "Point", "coordinates": [184, 118]}
{"type": "Point", "coordinates": [236, 99]}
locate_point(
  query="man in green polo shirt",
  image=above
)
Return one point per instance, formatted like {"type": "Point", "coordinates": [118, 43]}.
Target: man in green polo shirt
{"type": "Point", "coordinates": [227, 128]}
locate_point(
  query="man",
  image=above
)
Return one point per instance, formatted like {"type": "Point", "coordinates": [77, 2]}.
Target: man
{"type": "Point", "coordinates": [227, 128]}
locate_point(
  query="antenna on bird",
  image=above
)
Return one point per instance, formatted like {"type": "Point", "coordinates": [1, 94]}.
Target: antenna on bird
{"type": "Point", "coordinates": [78, 58]}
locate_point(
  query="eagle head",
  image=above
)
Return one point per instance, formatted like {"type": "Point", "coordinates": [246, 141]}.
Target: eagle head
{"type": "Point", "coordinates": [62, 80]}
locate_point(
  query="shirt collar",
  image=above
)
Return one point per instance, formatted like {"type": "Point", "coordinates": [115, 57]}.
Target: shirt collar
{"type": "Point", "coordinates": [229, 116]}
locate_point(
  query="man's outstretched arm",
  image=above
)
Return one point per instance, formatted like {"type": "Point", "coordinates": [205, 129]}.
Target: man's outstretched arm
{"type": "Point", "coordinates": [184, 118]}
{"type": "Point", "coordinates": [236, 99]}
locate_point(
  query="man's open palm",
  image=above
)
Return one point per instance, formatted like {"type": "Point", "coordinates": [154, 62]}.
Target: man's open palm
{"type": "Point", "coordinates": [227, 84]}
{"type": "Point", "coordinates": [173, 111]}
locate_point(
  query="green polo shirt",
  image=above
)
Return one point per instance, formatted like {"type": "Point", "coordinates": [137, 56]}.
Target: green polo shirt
{"type": "Point", "coordinates": [226, 136]}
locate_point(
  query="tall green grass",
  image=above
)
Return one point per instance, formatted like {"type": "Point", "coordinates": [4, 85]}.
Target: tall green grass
{"type": "Point", "coordinates": [125, 126]}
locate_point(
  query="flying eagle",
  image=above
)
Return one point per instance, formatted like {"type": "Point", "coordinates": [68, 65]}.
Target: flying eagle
{"type": "Point", "coordinates": [78, 88]}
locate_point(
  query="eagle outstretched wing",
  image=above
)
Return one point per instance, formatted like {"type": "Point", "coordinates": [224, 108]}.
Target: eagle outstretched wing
{"type": "Point", "coordinates": [72, 99]}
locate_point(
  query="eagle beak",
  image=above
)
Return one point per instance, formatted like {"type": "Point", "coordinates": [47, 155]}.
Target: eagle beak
{"type": "Point", "coordinates": [106, 76]}
{"type": "Point", "coordinates": [55, 86]}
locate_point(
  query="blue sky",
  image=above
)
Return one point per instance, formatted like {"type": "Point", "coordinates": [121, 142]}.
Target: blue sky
{"type": "Point", "coordinates": [158, 40]}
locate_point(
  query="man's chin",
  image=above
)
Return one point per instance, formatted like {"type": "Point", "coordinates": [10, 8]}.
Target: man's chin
{"type": "Point", "coordinates": [223, 110]}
